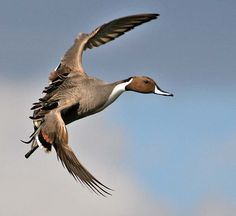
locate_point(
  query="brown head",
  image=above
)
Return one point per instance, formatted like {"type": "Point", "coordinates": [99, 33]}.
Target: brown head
{"type": "Point", "coordinates": [143, 84]}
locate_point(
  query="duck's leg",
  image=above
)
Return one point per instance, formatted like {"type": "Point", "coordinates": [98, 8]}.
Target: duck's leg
{"type": "Point", "coordinates": [31, 151]}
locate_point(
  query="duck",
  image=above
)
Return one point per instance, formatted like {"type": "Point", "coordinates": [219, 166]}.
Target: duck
{"type": "Point", "coordinates": [72, 95]}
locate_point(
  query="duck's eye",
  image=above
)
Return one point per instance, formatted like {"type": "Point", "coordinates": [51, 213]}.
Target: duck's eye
{"type": "Point", "coordinates": [146, 81]}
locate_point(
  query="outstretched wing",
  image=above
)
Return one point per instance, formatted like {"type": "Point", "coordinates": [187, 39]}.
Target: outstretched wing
{"type": "Point", "coordinates": [109, 31]}
{"type": "Point", "coordinates": [53, 132]}
{"type": "Point", "coordinates": [105, 33]}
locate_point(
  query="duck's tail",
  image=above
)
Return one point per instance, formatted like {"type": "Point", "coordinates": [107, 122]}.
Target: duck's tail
{"type": "Point", "coordinates": [32, 140]}
{"type": "Point", "coordinates": [31, 151]}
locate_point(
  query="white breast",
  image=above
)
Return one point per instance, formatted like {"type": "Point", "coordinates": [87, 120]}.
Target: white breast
{"type": "Point", "coordinates": [116, 92]}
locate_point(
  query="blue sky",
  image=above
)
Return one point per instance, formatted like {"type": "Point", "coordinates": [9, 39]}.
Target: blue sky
{"type": "Point", "coordinates": [180, 151]}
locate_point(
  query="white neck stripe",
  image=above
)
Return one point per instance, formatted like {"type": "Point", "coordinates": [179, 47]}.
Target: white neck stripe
{"type": "Point", "coordinates": [117, 91]}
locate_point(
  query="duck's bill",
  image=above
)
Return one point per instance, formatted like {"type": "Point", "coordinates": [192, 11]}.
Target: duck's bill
{"type": "Point", "coordinates": [161, 92]}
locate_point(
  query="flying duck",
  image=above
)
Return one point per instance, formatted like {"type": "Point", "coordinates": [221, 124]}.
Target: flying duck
{"type": "Point", "coordinates": [72, 95]}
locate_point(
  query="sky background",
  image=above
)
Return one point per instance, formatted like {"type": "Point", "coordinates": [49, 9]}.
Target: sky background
{"type": "Point", "coordinates": [162, 156]}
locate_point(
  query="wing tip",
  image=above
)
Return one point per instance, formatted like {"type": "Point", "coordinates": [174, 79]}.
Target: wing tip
{"type": "Point", "coordinates": [79, 172]}
{"type": "Point", "coordinates": [95, 186]}
{"type": "Point", "coordinates": [151, 16]}
{"type": "Point", "coordinates": [154, 14]}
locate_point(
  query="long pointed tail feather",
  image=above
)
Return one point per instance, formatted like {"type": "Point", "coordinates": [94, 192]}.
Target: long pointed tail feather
{"type": "Point", "coordinates": [31, 151]}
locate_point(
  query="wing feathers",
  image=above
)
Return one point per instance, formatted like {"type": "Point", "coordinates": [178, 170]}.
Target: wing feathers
{"type": "Point", "coordinates": [77, 170]}
{"type": "Point", "coordinates": [54, 132]}
{"type": "Point", "coordinates": [105, 33]}
{"type": "Point", "coordinates": [116, 28]}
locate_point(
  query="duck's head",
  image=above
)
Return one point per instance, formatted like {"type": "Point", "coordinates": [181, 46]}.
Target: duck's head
{"type": "Point", "coordinates": [144, 84]}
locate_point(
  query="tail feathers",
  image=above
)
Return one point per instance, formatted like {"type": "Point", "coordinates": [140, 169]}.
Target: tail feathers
{"type": "Point", "coordinates": [32, 140]}
{"type": "Point", "coordinates": [34, 146]}
{"type": "Point", "coordinates": [53, 132]}
{"type": "Point", "coordinates": [31, 151]}
{"type": "Point", "coordinates": [37, 138]}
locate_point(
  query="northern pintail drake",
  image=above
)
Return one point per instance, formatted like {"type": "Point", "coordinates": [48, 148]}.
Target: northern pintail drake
{"type": "Point", "coordinates": [72, 95]}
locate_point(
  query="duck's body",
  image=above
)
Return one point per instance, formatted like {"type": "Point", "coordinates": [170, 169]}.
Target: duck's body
{"type": "Point", "coordinates": [72, 95]}
{"type": "Point", "coordinates": [78, 97]}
